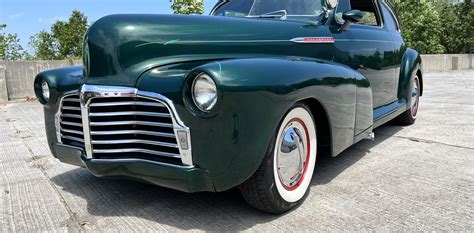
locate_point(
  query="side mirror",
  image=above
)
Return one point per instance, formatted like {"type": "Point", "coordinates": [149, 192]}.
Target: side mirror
{"type": "Point", "coordinates": [352, 16]}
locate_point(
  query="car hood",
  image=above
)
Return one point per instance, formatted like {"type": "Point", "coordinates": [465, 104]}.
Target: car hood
{"type": "Point", "coordinates": [119, 48]}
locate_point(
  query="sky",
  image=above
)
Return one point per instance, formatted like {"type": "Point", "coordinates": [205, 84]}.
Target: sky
{"type": "Point", "coordinates": [28, 17]}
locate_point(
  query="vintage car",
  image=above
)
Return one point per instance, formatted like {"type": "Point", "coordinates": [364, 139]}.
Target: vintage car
{"type": "Point", "coordinates": [246, 97]}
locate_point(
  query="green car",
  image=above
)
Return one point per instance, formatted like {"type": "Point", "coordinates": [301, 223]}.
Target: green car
{"type": "Point", "coordinates": [247, 97]}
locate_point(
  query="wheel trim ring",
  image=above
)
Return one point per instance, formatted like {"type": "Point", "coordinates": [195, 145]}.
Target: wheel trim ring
{"type": "Point", "coordinates": [414, 108]}
{"type": "Point", "coordinates": [308, 150]}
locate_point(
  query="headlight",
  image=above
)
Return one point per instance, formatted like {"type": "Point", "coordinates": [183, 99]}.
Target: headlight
{"type": "Point", "coordinates": [204, 92]}
{"type": "Point", "coordinates": [45, 90]}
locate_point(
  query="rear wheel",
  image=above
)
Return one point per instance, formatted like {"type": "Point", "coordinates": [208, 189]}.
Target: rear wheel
{"type": "Point", "coordinates": [282, 180]}
{"type": "Point", "coordinates": [409, 117]}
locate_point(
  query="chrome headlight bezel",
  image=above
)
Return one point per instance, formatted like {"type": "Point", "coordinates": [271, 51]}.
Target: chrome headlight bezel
{"type": "Point", "coordinates": [204, 92]}
{"type": "Point", "coordinates": [45, 91]}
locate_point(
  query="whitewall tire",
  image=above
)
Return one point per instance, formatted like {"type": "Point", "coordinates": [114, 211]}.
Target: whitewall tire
{"type": "Point", "coordinates": [282, 180]}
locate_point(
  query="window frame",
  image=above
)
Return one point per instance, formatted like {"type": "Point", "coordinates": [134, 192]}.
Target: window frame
{"type": "Point", "coordinates": [394, 16]}
{"type": "Point", "coordinates": [378, 13]}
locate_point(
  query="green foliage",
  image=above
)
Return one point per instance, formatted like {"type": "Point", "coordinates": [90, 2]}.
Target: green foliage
{"type": "Point", "coordinates": [45, 46]}
{"type": "Point", "coordinates": [437, 27]}
{"type": "Point", "coordinates": [458, 25]}
{"type": "Point", "coordinates": [10, 48]}
{"type": "Point", "coordinates": [421, 25]}
{"type": "Point", "coordinates": [450, 24]}
{"type": "Point", "coordinates": [187, 7]}
{"type": "Point", "coordinates": [465, 12]}
{"type": "Point", "coordinates": [64, 41]}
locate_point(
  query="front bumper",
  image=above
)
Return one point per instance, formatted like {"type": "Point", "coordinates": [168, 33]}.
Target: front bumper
{"type": "Point", "coordinates": [186, 179]}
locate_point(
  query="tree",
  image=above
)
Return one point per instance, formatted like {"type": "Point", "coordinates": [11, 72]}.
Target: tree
{"type": "Point", "coordinates": [10, 48]}
{"type": "Point", "coordinates": [45, 46]}
{"type": "Point", "coordinates": [65, 40]}
{"type": "Point", "coordinates": [450, 24]}
{"type": "Point", "coordinates": [187, 7]}
{"type": "Point", "coordinates": [421, 25]}
{"type": "Point", "coordinates": [465, 13]}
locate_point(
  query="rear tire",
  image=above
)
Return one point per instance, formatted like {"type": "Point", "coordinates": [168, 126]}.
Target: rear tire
{"type": "Point", "coordinates": [281, 182]}
{"type": "Point", "coordinates": [409, 117]}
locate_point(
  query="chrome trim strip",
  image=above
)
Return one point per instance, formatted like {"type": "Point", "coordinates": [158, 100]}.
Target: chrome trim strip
{"type": "Point", "coordinates": [130, 113]}
{"type": "Point", "coordinates": [136, 141]}
{"type": "Point", "coordinates": [142, 132]}
{"type": "Point", "coordinates": [141, 160]}
{"type": "Point", "coordinates": [136, 150]}
{"type": "Point", "coordinates": [148, 123]}
{"type": "Point", "coordinates": [141, 103]}
{"type": "Point", "coordinates": [84, 99]}
{"type": "Point", "coordinates": [313, 40]}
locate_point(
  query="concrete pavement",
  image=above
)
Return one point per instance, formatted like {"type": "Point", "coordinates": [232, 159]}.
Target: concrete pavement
{"type": "Point", "coordinates": [410, 178]}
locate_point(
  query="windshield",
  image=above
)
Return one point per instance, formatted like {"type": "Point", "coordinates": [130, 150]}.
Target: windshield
{"type": "Point", "coordinates": [310, 9]}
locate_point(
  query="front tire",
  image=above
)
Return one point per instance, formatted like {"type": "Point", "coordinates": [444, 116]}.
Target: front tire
{"type": "Point", "coordinates": [409, 117]}
{"type": "Point", "coordinates": [283, 178]}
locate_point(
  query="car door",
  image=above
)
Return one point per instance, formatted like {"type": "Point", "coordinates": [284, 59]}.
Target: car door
{"type": "Point", "coordinates": [368, 48]}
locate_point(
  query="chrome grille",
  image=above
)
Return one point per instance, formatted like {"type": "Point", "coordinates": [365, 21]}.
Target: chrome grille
{"type": "Point", "coordinates": [71, 130]}
{"type": "Point", "coordinates": [132, 127]}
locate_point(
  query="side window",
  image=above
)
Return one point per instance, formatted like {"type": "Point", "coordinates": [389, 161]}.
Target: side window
{"type": "Point", "coordinates": [371, 15]}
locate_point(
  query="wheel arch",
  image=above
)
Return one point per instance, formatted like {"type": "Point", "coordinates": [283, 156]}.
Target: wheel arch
{"type": "Point", "coordinates": [419, 73]}
{"type": "Point", "coordinates": [323, 129]}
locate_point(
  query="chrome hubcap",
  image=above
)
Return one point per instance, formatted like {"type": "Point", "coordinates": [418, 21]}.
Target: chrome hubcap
{"type": "Point", "coordinates": [415, 97]}
{"type": "Point", "coordinates": [292, 154]}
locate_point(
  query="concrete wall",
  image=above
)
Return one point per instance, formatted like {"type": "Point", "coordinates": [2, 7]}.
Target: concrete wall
{"type": "Point", "coordinates": [16, 78]}
{"type": "Point", "coordinates": [446, 62]}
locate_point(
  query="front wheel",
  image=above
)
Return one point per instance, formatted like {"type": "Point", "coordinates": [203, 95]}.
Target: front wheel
{"type": "Point", "coordinates": [409, 117]}
{"type": "Point", "coordinates": [282, 180]}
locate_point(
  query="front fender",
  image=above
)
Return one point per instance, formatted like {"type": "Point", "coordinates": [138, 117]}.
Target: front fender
{"type": "Point", "coordinates": [60, 81]}
{"type": "Point", "coordinates": [254, 95]}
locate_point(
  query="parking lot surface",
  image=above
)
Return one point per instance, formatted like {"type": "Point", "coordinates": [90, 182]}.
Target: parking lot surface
{"type": "Point", "coordinates": [410, 178]}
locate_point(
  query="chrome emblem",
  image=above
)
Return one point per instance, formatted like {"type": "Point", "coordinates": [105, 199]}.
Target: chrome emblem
{"type": "Point", "coordinates": [313, 40]}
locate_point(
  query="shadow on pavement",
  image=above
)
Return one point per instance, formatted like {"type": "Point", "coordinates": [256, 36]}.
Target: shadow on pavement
{"type": "Point", "coordinates": [226, 211]}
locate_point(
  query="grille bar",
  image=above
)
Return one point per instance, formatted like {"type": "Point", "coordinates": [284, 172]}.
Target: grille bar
{"type": "Point", "coordinates": [72, 138]}
{"type": "Point", "coordinates": [142, 132]}
{"type": "Point", "coordinates": [148, 123]}
{"type": "Point", "coordinates": [136, 150]}
{"type": "Point", "coordinates": [71, 123]}
{"type": "Point", "coordinates": [71, 108]}
{"type": "Point", "coordinates": [72, 131]}
{"type": "Point", "coordinates": [156, 114]}
{"type": "Point", "coordinates": [71, 115]}
{"type": "Point", "coordinates": [125, 103]}
{"type": "Point", "coordinates": [155, 143]}
{"type": "Point", "coordinates": [72, 99]}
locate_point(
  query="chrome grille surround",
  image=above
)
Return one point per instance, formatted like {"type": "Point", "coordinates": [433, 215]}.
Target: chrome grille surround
{"type": "Point", "coordinates": [95, 96]}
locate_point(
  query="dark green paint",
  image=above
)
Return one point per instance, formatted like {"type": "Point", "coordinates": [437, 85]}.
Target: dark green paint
{"type": "Point", "coordinates": [260, 74]}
